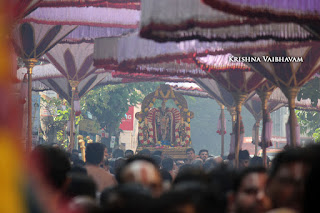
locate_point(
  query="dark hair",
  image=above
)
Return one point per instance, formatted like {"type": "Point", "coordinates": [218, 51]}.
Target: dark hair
{"type": "Point", "coordinates": [145, 152]}
{"type": "Point", "coordinates": [157, 159]}
{"type": "Point", "coordinates": [157, 152]}
{"type": "Point", "coordinates": [126, 198]}
{"type": "Point", "coordinates": [190, 149]}
{"type": "Point", "coordinates": [203, 150]}
{"type": "Point", "coordinates": [94, 153]}
{"type": "Point", "coordinates": [81, 185]}
{"type": "Point", "coordinates": [128, 151]}
{"type": "Point", "coordinates": [285, 157]}
{"type": "Point", "coordinates": [244, 173]}
{"type": "Point", "coordinates": [209, 164]}
{"type": "Point", "coordinates": [166, 176]}
{"type": "Point", "coordinates": [118, 153]}
{"type": "Point", "coordinates": [188, 173]}
{"type": "Point", "coordinates": [167, 164]}
{"type": "Point", "coordinates": [244, 155]}
{"type": "Point", "coordinates": [256, 161]}
{"type": "Point", "coordinates": [78, 170]}
{"type": "Point", "coordinates": [53, 163]}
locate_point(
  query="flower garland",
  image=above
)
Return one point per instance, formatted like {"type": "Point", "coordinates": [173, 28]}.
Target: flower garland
{"type": "Point", "coordinates": [143, 140]}
{"type": "Point", "coordinates": [186, 140]}
{"type": "Point", "coordinates": [169, 94]}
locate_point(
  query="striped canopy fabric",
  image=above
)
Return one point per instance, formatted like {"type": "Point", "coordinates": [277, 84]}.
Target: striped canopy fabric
{"type": "Point", "coordinates": [299, 11]}
{"type": "Point", "coordinates": [63, 88]}
{"type": "Point", "coordinates": [254, 106]}
{"type": "Point", "coordinates": [288, 74]}
{"type": "Point", "coordinates": [20, 8]}
{"type": "Point", "coordinates": [33, 40]}
{"type": "Point", "coordinates": [132, 50]}
{"type": "Point", "coordinates": [236, 81]}
{"type": "Point", "coordinates": [74, 61]}
{"type": "Point", "coordinates": [218, 92]}
{"type": "Point", "coordinates": [129, 4]}
{"type": "Point", "coordinates": [180, 20]}
{"type": "Point", "coordinates": [90, 16]}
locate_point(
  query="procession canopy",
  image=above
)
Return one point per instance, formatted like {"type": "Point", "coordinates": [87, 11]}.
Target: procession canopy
{"type": "Point", "coordinates": [164, 127]}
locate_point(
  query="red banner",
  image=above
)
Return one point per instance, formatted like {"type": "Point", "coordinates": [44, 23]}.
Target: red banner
{"type": "Point", "coordinates": [127, 121]}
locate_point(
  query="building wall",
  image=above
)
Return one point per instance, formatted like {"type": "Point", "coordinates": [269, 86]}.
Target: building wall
{"type": "Point", "coordinates": [129, 139]}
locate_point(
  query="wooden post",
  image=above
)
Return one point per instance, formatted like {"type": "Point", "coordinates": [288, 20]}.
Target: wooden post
{"type": "Point", "coordinates": [222, 129]}
{"type": "Point", "coordinates": [74, 85]}
{"type": "Point", "coordinates": [30, 63]}
{"type": "Point", "coordinates": [239, 98]}
{"type": "Point", "coordinates": [291, 94]}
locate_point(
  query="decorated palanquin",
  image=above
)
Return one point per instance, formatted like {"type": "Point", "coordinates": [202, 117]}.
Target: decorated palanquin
{"type": "Point", "coordinates": [164, 127]}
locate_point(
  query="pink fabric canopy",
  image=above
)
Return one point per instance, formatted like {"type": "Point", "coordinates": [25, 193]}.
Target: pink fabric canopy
{"type": "Point", "coordinates": [129, 4]}
{"type": "Point", "coordinates": [33, 40]}
{"type": "Point", "coordinates": [299, 11]}
{"type": "Point", "coordinates": [91, 16]}
{"type": "Point", "coordinates": [180, 20]}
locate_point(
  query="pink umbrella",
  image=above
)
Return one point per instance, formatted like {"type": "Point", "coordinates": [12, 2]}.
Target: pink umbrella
{"type": "Point", "coordinates": [180, 20]}
{"type": "Point", "coordinates": [129, 4]}
{"type": "Point", "coordinates": [21, 8]}
{"type": "Point", "coordinates": [299, 11]}
{"type": "Point", "coordinates": [75, 62]}
{"type": "Point", "coordinates": [240, 84]}
{"type": "Point", "coordinates": [32, 41]}
{"type": "Point", "coordinates": [290, 76]}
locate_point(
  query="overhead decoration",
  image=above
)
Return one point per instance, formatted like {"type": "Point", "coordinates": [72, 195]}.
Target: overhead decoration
{"type": "Point", "coordinates": [89, 33]}
{"type": "Point", "coordinates": [191, 19]}
{"type": "Point", "coordinates": [129, 4]}
{"type": "Point", "coordinates": [131, 54]}
{"type": "Point", "coordinates": [18, 9]}
{"type": "Point", "coordinates": [75, 62]}
{"type": "Point", "coordinates": [254, 106]}
{"type": "Point", "coordinates": [90, 16]}
{"type": "Point", "coordinates": [298, 11]}
{"type": "Point", "coordinates": [240, 83]}
{"type": "Point", "coordinates": [31, 41]}
{"type": "Point", "coordinates": [289, 76]}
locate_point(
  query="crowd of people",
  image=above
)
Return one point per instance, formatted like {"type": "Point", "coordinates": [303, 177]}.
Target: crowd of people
{"type": "Point", "coordinates": [123, 181]}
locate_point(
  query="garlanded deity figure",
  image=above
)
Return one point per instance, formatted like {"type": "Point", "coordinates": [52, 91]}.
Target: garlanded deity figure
{"type": "Point", "coordinates": [163, 123]}
{"type": "Point", "coordinates": [182, 133]}
{"type": "Point", "coordinates": [145, 133]}
{"type": "Point", "coordinates": [82, 145]}
{"type": "Point", "coordinates": [89, 140]}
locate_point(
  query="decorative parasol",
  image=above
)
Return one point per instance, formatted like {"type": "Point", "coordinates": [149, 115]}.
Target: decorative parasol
{"type": "Point", "coordinates": [224, 99]}
{"type": "Point", "coordinates": [240, 83]}
{"type": "Point", "coordinates": [191, 19]}
{"type": "Point", "coordinates": [31, 41]}
{"type": "Point", "coordinates": [289, 76]}
{"type": "Point", "coordinates": [299, 11]}
{"type": "Point", "coordinates": [129, 4]}
{"type": "Point", "coordinates": [20, 8]}
{"type": "Point", "coordinates": [172, 24]}
{"type": "Point", "coordinates": [260, 110]}
{"type": "Point", "coordinates": [90, 16]}
{"type": "Point", "coordinates": [75, 62]}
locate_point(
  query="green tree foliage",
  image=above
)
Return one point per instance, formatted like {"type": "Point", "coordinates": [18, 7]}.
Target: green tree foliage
{"type": "Point", "coordinates": [309, 121]}
{"type": "Point", "coordinates": [108, 104]}
{"type": "Point", "coordinates": [53, 127]}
